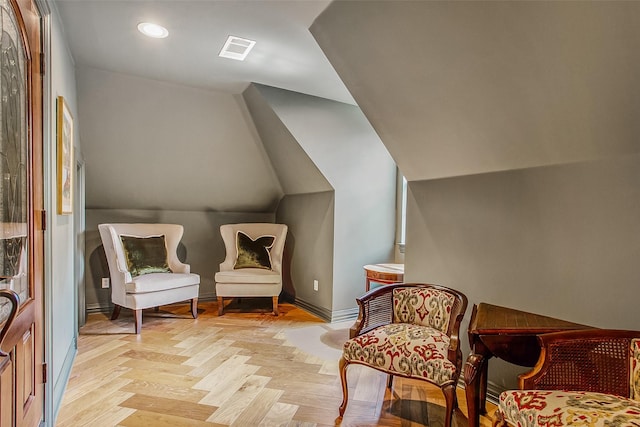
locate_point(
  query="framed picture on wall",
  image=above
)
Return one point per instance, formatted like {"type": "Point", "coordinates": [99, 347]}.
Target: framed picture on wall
{"type": "Point", "coordinates": [65, 158]}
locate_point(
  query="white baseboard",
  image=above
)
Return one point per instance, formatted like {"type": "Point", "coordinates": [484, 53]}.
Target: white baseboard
{"type": "Point", "coordinates": [60, 384]}
{"type": "Point", "coordinates": [326, 314]}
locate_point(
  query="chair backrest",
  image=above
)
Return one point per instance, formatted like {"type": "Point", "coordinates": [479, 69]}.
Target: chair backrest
{"type": "Point", "coordinates": [425, 306]}
{"type": "Point", "coordinates": [254, 231]}
{"type": "Point", "coordinates": [110, 235]}
{"type": "Point", "coordinates": [393, 304]}
{"type": "Point", "coordinates": [594, 360]}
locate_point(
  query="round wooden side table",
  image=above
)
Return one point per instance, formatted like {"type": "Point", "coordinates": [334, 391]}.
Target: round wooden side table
{"type": "Point", "coordinates": [383, 273]}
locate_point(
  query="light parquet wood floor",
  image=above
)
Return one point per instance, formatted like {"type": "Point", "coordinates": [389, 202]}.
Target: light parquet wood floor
{"type": "Point", "coordinates": [240, 369]}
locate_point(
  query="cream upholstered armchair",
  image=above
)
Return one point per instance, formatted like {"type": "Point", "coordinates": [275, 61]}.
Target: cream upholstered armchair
{"type": "Point", "coordinates": [410, 330]}
{"type": "Point", "coordinates": [253, 263]}
{"type": "Point", "coordinates": [587, 377]}
{"type": "Point", "coordinates": [144, 268]}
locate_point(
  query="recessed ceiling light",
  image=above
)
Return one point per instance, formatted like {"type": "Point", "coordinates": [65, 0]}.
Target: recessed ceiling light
{"type": "Point", "coordinates": [153, 30]}
{"type": "Point", "coordinates": [236, 48]}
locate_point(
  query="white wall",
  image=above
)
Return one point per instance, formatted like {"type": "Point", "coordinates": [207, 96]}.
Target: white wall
{"type": "Point", "coordinates": [60, 290]}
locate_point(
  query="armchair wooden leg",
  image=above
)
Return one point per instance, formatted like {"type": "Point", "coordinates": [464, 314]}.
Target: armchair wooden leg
{"type": "Point", "coordinates": [116, 312]}
{"type": "Point", "coordinates": [342, 366]}
{"type": "Point", "coordinates": [220, 306]}
{"type": "Point", "coordinates": [194, 307]}
{"type": "Point", "coordinates": [451, 402]}
{"type": "Point", "coordinates": [137, 314]}
{"type": "Point", "coordinates": [275, 306]}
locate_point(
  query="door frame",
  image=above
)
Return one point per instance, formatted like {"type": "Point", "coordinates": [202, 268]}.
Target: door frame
{"type": "Point", "coordinates": [48, 170]}
{"type": "Point", "coordinates": [79, 225]}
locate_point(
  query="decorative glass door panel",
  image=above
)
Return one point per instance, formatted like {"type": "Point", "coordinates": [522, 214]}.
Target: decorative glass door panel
{"type": "Point", "coordinates": [14, 161]}
{"type": "Point", "coordinates": [22, 215]}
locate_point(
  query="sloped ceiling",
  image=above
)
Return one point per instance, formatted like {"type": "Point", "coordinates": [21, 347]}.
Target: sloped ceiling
{"type": "Point", "coordinates": [155, 145]}
{"type": "Point", "coordinates": [102, 34]}
{"type": "Point", "coordinates": [336, 136]}
{"type": "Point", "coordinates": [458, 88]}
{"type": "Point", "coordinates": [296, 171]}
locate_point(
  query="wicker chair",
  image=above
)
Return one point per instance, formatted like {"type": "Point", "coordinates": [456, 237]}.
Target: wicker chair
{"type": "Point", "coordinates": [410, 330]}
{"type": "Point", "coordinates": [585, 377]}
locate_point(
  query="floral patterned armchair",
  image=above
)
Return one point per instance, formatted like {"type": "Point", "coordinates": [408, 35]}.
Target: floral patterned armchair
{"type": "Point", "coordinates": [410, 330]}
{"type": "Point", "coordinates": [587, 377]}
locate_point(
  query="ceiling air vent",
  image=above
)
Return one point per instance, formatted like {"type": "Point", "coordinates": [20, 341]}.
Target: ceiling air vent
{"type": "Point", "coordinates": [236, 48]}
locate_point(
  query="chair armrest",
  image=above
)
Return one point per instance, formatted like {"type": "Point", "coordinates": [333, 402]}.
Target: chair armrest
{"type": "Point", "coordinates": [376, 309]}
{"type": "Point", "coordinates": [114, 251]}
{"type": "Point", "coordinates": [454, 353]}
{"type": "Point", "coordinates": [180, 268]}
{"type": "Point", "coordinates": [119, 278]}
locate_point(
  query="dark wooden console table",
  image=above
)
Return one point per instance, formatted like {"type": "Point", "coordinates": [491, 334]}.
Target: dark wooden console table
{"type": "Point", "coordinates": [505, 333]}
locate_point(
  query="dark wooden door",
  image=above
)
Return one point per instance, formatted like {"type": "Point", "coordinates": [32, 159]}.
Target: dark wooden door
{"type": "Point", "coordinates": [21, 212]}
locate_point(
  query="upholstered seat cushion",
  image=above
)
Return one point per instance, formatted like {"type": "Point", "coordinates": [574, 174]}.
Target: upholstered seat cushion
{"type": "Point", "coordinates": [249, 275]}
{"type": "Point", "coordinates": [154, 282]}
{"type": "Point", "coordinates": [532, 408]}
{"type": "Point", "coordinates": [405, 349]}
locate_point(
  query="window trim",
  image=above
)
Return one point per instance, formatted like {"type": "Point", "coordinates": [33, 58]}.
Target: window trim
{"type": "Point", "coordinates": [401, 210]}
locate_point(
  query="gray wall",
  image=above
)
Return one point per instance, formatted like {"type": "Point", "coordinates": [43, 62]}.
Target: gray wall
{"type": "Point", "coordinates": [309, 249]}
{"type": "Point", "coordinates": [60, 294]}
{"type": "Point", "coordinates": [149, 144]}
{"type": "Point", "coordinates": [300, 130]}
{"type": "Point", "coordinates": [557, 240]}
{"type": "Point", "coordinates": [516, 126]}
